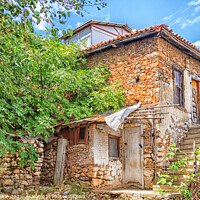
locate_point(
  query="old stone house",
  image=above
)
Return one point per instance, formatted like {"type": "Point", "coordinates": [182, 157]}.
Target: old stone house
{"type": "Point", "coordinates": [156, 67]}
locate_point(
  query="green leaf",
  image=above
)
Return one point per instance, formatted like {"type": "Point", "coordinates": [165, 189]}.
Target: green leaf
{"type": "Point", "coordinates": [69, 32]}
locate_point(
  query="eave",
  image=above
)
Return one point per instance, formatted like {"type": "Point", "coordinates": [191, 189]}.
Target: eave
{"type": "Point", "coordinates": [179, 44]}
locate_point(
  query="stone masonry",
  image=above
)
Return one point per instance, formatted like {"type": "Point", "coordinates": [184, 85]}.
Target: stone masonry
{"type": "Point", "coordinates": [12, 176]}
{"type": "Point", "coordinates": [145, 69]}
{"type": "Point", "coordinates": [49, 162]}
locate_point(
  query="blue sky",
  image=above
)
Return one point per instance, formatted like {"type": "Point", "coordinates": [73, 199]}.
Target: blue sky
{"type": "Point", "coordinates": [183, 16]}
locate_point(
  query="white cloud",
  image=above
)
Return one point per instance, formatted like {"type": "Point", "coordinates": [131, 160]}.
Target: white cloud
{"type": "Point", "coordinates": [108, 17]}
{"type": "Point", "coordinates": [70, 26]}
{"type": "Point", "coordinates": [167, 18]}
{"type": "Point", "coordinates": [190, 22]}
{"type": "Point", "coordinates": [194, 3]}
{"type": "Point", "coordinates": [56, 7]}
{"type": "Point", "coordinates": [197, 44]}
{"type": "Point", "coordinates": [41, 26]}
{"type": "Point", "coordinates": [38, 7]}
{"type": "Point", "coordinates": [197, 9]}
{"type": "Point", "coordinates": [184, 25]}
{"type": "Point", "coordinates": [176, 21]}
{"type": "Point", "coordinates": [78, 24]}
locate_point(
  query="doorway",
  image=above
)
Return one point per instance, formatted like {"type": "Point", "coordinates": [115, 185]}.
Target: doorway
{"type": "Point", "coordinates": [195, 102]}
{"type": "Point", "coordinates": [133, 157]}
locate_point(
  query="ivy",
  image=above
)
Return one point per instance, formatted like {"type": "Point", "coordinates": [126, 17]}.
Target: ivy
{"type": "Point", "coordinates": [190, 186]}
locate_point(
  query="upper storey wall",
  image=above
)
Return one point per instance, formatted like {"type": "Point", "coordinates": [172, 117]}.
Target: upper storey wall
{"type": "Point", "coordinates": [142, 66]}
{"type": "Point", "coordinates": [136, 66]}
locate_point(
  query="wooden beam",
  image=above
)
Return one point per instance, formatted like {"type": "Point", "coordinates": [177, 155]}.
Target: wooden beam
{"type": "Point", "coordinates": [141, 111]}
{"type": "Point", "coordinates": [60, 161]}
{"type": "Point", "coordinates": [139, 114]}
{"type": "Point", "coordinates": [145, 117]}
{"type": "Point", "coordinates": [161, 106]}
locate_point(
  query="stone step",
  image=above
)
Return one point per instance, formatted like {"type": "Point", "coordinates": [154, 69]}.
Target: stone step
{"type": "Point", "coordinates": [194, 131]}
{"type": "Point", "coordinates": [194, 127]}
{"type": "Point", "coordinates": [187, 147]}
{"type": "Point", "coordinates": [189, 152]}
{"type": "Point", "coordinates": [192, 136]}
{"type": "Point", "coordinates": [171, 189]}
{"type": "Point", "coordinates": [188, 169]}
{"type": "Point", "coordinates": [191, 141]}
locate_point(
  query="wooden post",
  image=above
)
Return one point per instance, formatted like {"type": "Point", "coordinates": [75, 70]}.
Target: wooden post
{"type": "Point", "coordinates": [60, 161]}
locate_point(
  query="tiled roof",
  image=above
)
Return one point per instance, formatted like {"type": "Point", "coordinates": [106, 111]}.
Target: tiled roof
{"type": "Point", "coordinates": [98, 119]}
{"type": "Point", "coordinates": [157, 28]}
{"type": "Point", "coordinates": [89, 23]}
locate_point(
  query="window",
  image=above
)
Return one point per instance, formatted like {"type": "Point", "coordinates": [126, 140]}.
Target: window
{"type": "Point", "coordinates": [78, 135]}
{"type": "Point", "coordinates": [113, 146]}
{"type": "Point", "coordinates": [81, 135]}
{"type": "Point", "coordinates": [178, 87]}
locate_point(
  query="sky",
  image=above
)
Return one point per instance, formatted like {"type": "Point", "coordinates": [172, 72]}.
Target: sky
{"type": "Point", "coordinates": [182, 16]}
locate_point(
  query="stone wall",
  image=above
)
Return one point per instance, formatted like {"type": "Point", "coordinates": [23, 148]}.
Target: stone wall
{"type": "Point", "coordinates": [13, 177]}
{"type": "Point", "coordinates": [107, 170]}
{"type": "Point", "coordinates": [134, 65]}
{"type": "Point", "coordinates": [49, 162]}
{"type": "Point", "coordinates": [79, 160]}
{"type": "Point", "coordinates": [90, 165]}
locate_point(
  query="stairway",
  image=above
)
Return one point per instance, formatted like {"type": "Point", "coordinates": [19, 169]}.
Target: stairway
{"type": "Point", "coordinates": [187, 147]}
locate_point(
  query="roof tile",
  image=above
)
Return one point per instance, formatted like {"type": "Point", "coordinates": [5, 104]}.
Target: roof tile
{"type": "Point", "coordinates": [157, 28]}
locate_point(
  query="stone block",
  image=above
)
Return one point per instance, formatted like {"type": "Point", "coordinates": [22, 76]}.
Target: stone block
{"type": "Point", "coordinates": [7, 189]}
{"type": "Point", "coordinates": [148, 181]}
{"type": "Point", "coordinates": [40, 150]}
{"type": "Point", "coordinates": [16, 171]}
{"type": "Point", "coordinates": [106, 177]}
{"type": "Point", "coordinates": [95, 169]}
{"type": "Point", "coordinates": [96, 182]}
{"type": "Point", "coordinates": [37, 173]}
{"type": "Point", "coordinates": [24, 183]}
{"type": "Point", "coordinates": [92, 174]}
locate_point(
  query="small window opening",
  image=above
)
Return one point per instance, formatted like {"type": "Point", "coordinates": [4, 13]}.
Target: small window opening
{"type": "Point", "coordinates": [81, 135]}
{"type": "Point", "coordinates": [137, 79]}
{"type": "Point", "coordinates": [113, 146]}
{"type": "Point", "coordinates": [178, 87]}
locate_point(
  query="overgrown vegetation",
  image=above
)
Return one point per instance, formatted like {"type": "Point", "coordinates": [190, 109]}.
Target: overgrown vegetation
{"type": "Point", "coordinates": [191, 184]}
{"type": "Point", "coordinates": [43, 81]}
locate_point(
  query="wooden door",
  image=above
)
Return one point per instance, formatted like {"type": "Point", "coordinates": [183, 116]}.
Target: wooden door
{"type": "Point", "coordinates": [195, 102]}
{"type": "Point", "coordinates": [133, 157]}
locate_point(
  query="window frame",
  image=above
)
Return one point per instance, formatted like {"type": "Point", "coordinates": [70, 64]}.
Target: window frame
{"type": "Point", "coordinates": [179, 86]}
{"type": "Point", "coordinates": [118, 149]}
{"type": "Point", "coordinates": [73, 135]}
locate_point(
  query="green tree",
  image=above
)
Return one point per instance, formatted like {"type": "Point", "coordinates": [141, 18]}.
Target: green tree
{"type": "Point", "coordinates": [42, 81]}
{"type": "Point", "coordinates": [47, 10]}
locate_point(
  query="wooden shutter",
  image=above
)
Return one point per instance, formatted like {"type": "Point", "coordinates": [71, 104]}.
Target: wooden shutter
{"type": "Point", "coordinates": [71, 136]}
{"type": "Point", "coordinates": [174, 87]}
{"type": "Point", "coordinates": [77, 135]}
{"type": "Point", "coordinates": [182, 88]}
{"type": "Point", "coordinates": [86, 135]}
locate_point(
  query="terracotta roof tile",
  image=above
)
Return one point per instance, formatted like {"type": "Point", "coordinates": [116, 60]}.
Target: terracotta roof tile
{"type": "Point", "coordinates": [98, 119]}
{"type": "Point", "coordinates": [157, 28]}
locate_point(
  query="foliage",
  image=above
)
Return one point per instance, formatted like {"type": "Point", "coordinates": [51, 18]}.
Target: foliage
{"type": "Point", "coordinates": [46, 10]}
{"type": "Point", "coordinates": [43, 81]}
{"type": "Point", "coordinates": [191, 183]}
